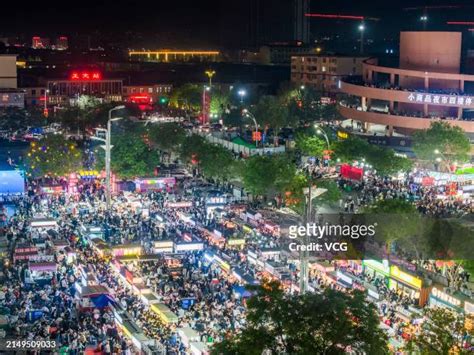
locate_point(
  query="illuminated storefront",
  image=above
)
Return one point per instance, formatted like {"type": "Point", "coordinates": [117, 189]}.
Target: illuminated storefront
{"type": "Point", "coordinates": [80, 83]}
{"type": "Point", "coordinates": [409, 285]}
{"type": "Point", "coordinates": [457, 301]}
{"type": "Point", "coordinates": [376, 268]}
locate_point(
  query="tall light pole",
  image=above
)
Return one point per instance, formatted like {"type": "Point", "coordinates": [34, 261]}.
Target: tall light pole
{"type": "Point", "coordinates": [310, 193]}
{"type": "Point", "coordinates": [45, 110]}
{"type": "Point", "coordinates": [210, 73]}
{"type": "Point", "coordinates": [107, 147]}
{"type": "Point", "coordinates": [321, 132]}
{"type": "Point", "coordinates": [361, 30]}
{"type": "Point", "coordinates": [242, 93]}
{"type": "Point", "coordinates": [247, 113]}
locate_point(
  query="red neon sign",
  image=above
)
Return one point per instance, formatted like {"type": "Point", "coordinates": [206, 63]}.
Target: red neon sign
{"type": "Point", "coordinates": [336, 16]}
{"type": "Point", "coordinates": [85, 75]}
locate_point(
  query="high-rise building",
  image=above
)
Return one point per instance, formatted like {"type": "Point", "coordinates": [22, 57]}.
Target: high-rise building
{"type": "Point", "coordinates": [61, 43]}
{"type": "Point", "coordinates": [40, 42]}
{"type": "Point", "coordinates": [10, 96]}
{"type": "Point", "coordinates": [323, 72]}
{"type": "Point", "coordinates": [300, 21]}
{"type": "Point", "coordinates": [8, 72]}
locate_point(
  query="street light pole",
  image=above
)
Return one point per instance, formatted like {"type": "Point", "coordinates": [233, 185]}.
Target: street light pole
{"type": "Point", "coordinates": [247, 113]}
{"type": "Point", "coordinates": [108, 147]}
{"type": "Point", "coordinates": [304, 255]}
{"type": "Point", "coordinates": [320, 131]}
{"type": "Point", "coordinates": [210, 73]}
{"type": "Point", "coordinates": [361, 30]}
{"type": "Point", "coordinates": [242, 94]}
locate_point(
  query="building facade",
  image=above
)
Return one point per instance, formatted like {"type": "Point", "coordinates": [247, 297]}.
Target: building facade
{"type": "Point", "coordinates": [10, 96]}
{"type": "Point", "coordinates": [155, 92]}
{"type": "Point", "coordinates": [35, 96]}
{"type": "Point", "coordinates": [174, 56]}
{"type": "Point", "coordinates": [40, 42]}
{"type": "Point", "coordinates": [426, 86]}
{"type": "Point", "coordinates": [8, 72]}
{"type": "Point", "coordinates": [79, 83]}
{"type": "Point", "coordinates": [322, 72]}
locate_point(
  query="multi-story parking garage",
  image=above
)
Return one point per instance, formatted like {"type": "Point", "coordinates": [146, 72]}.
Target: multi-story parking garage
{"type": "Point", "coordinates": [427, 85]}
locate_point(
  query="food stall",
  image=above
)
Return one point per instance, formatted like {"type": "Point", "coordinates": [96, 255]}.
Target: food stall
{"type": "Point", "coordinates": [41, 272]}
{"type": "Point", "coordinates": [271, 228]}
{"type": "Point", "coordinates": [43, 223]}
{"type": "Point", "coordinates": [186, 218]}
{"type": "Point", "coordinates": [223, 265]}
{"type": "Point", "coordinates": [188, 335]}
{"type": "Point", "coordinates": [154, 184]}
{"type": "Point", "coordinates": [91, 297]}
{"type": "Point", "coordinates": [238, 243]}
{"type": "Point", "coordinates": [184, 247]}
{"type": "Point", "coordinates": [164, 313]}
{"type": "Point", "coordinates": [215, 238]}
{"type": "Point", "coordinates": [179, 204]}
{"type": "Point", "coordinates": [126, 250]}
{"type": "Point", "coordinates": [163, 246]}
{"type": "Point", "coordinates": [150, 298]}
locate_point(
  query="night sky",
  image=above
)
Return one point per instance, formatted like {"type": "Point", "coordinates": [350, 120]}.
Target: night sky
{"type": "Point", "coordinates": [208, 21]}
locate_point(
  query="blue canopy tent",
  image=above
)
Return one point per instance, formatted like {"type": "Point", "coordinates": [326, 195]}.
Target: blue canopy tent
{"type": "Point", "coordinates": [102, 301]}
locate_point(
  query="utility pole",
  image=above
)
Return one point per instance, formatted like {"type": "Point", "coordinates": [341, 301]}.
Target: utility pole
{"type": "Point", "coordinates": [310, 193]}
{"type": "Point", "coordinates": [107, 147]}
{"type": "Point", "coordinates": [304, 255]}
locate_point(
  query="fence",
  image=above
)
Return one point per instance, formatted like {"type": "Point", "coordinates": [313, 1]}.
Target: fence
{"type": "Point", "coordinates": [237, 148]}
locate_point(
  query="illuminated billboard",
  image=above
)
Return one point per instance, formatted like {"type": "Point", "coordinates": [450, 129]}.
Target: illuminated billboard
{"type": "Point", "coordinates": [12, 182]}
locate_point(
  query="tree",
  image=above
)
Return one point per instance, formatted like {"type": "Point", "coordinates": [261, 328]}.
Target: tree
{"type": "Point", "coordinates": [327, 323]}
{"type": "Point", "coordinates": [383, 160]}
{"type": "Point", "coordinates": [268, 175]}
{"type": "Point", "coordinates": [310, 145]}
{"type": "Point", "coordinates": [332, 194]}
{"type": "Point", "coordinates": [130, 156]}
{"type": "Point", "coordinates": [444, 142]}
{"type": "Point", "coordinates": [220, 101]}
{"type": "Point", "coordinates": [350, 149]}
{"type": "Point", "coordinates": [442, 332]}
{"type": "Point", "coordinates": [270, 111]}
{"type": "Point", "coordinates": [187, 96]}
{"type": "Point", "coordinates": [233, 118]}
{"type": "Point", "coordinates": [193, 148]}
{"type": "Point", "coordinates": [216, 162]}
{"type": "Point", "coordinates": [397, 221]}
{"type": "Point", "coordinates": [167, 136]}
{"type": "Point", "coordinates": [53, 155]}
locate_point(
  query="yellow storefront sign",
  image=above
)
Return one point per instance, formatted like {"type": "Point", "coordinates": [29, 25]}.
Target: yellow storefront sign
{"type": "Point", "coordinates": [397, 274]}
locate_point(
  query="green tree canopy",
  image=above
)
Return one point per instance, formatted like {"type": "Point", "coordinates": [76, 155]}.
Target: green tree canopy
{"type": "Point", "coordinates": [383, 160]}
{"type": "Point", "coordinates": [130, 156]}
{"type": "Point", "coordinates": [53, 155]}
{"type": "Point", "coordinates": [187, 96]}
{"type": "Point", "coordinates": [193, 148]}
{"type": "Point", "coordinates": [312, 146]}
{"type": "Point", "coordinates": [450, 141]}
{"type": "Point", "coordinates": [267, 175]}
{"type": "Point", "coordinates": [220, 101]}
{"type": "Point", "coordinates": [270, 111]}
{"type": "Point", "coordinates": [441, 333]}
{"type": "Point", "coordinates": [326, 323]}
{"type": "Point", "coordinates": [216, 162]}
{"type": "Point", "coordinates": [167, 136]}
